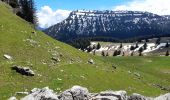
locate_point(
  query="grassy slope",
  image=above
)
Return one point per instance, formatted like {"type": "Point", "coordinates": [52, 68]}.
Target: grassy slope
{"type": "Point", "coordinates": [97, 77]}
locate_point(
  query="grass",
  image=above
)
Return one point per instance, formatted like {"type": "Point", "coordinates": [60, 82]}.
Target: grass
{"type": "Point", "coordinates": [15, 36]}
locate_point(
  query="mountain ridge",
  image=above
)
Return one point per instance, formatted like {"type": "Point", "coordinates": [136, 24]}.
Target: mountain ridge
{"type": "Point", "coordinates": [115, 24]}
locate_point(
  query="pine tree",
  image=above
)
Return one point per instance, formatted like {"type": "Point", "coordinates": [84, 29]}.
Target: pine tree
{"type": "Point", "coordinates": [132, 48]}
{"type": "Point", "coordinates": [140, 54]}
{"type": "Point", "coordinates": [98, 46]}
{"type": "Point", "coordinates": [103, 53]}
{"type": "Point", "coordinates": [158, 41]}
{"type": "Point", "coordinates": [121, 45]}
{"type": "Point", "coordinates": [107, 54]}
{"type": "Point", "coordinates": [132, 53]}
{"type": "Point", "coordinates": [14, 3]}
{"type": "Point", "coordinates": [136, 46]}
{"type": "Point", "coordinates": [167, 45]}
{"type": "Point", "coordinates": [145, 46]}
{"type": "Point", "coordinates": [115, 53]}
{"type": "Point", "coordinates": [28, 11]}
{"type": "Point", "coordinates": [167, 53]}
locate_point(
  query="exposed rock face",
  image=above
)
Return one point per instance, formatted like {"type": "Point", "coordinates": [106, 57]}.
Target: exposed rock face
{"type": "Point", "coordinates": [23, 70]}
{"type": "Point", "coordinates": [75, 93]}
{"type": "Point", "coordinates": [163, 97]}
{"type": "Point", "coordinates": [111, 95]}
{"type": "Point", "coordinates": [135, 96]}
{"type": "Point", "coordinates": [41, 94]}
{"type": "Point", "coordinates": [81, 93]}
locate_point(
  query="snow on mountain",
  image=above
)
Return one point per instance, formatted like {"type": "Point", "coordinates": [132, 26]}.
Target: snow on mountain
{"type": "Point", "coordinates": [117, 24]}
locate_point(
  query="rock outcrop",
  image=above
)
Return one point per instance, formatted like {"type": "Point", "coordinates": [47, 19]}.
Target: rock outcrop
{"type": "Point", "coordinates": [82, 93]}
{"type": "Point", "coordinates": [23, 70]}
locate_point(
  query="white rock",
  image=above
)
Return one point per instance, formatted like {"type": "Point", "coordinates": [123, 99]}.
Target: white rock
{"type": "Point", "coordinates": [163, 97]}
{"type": "Point", "coordinates": [41, 94]}
{"type": "Point", "coordinates": [12, 98]}
{"type": "Point", "coordinates": [75, 93]}
{"type": "Point", "coordinates": [112, 95]}
{"type": "Point", "coordinates": [8, 57]}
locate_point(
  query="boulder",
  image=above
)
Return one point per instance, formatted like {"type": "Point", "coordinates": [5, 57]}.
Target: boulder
{"type": "Point", "coordinates": [91, 61]}
{"type": "Point", "coordinates": [163, 97]}
{"type": "Point", "coordinates": [23, 70]}
{"type": "Point", "coordinates": [136, 96]}
{"type": "Point", "coordinates": [111, 95]}
{"type": "Point", "coordinates": [75, 93]}
{"type": "Point", "coordinates": [41, 94]}
{"type": "Point", "coordinates": [12, 98]}
{"type": "Point", "coordinates": [8, 57]}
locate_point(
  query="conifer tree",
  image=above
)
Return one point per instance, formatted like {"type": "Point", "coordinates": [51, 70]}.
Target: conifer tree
{"type": "Point", "coordinates": [167, 53]}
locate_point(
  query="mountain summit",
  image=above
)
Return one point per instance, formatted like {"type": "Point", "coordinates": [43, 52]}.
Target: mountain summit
{"type": "Point", "coordinates": [111, 24]}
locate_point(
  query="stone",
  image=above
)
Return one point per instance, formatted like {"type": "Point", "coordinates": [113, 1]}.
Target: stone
{"type": "Point", "coordinates": [23, 70]}
{"type": "Point", "coordinates": [91, 61]}
{"type": "Point", "coordinates": [163, 97]}
{"type": "Point", "coordinates": [41, 94]}
{"type": "Point", "coordinates": [56, 59]}
{"type": "Point", "coordinates": [136, 96]}
{"type": "Point", "coordinates": [113, 66]}
{"type": "Point", "coordinates": [75, 93]}
{"type": "Point", "coordinates": [8, 57]}
{"type": "Point", "coordinates": [12, 98]}
{"type": "Point", "coordinates": [22, 93]}
{"type": "Point", "coordinates": [111, 95]}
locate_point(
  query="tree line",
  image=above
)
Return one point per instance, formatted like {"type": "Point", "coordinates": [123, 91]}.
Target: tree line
{"type": "Point", "coordinates": [27, 9]}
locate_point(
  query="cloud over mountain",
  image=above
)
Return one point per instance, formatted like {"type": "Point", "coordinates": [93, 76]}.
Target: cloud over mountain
{"type": "Point", "coordinates": [47, 16]}
{"type": "Point", "coordinates": [160, 7]}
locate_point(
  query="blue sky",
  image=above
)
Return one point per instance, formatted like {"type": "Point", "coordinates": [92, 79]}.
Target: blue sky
{"type": "Point", "coordinates": [80, 4]}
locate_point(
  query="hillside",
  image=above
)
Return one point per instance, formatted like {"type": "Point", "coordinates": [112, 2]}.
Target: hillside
{"type": "Point", "coordinates": [110, 24]}
{"type": "Point", "coordinates": [34, 49]}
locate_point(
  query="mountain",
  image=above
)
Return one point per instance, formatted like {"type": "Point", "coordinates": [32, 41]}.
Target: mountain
{"type": "Point", "coordinates": [60, 66]}
{"type": "Point", "coordinates": [110, 24]}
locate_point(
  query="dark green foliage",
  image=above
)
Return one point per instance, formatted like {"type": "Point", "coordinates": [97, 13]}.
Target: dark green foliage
{"type": "Point", "coordinates": [89, 49]}
{"type": "Point", "coordinates": [145, 46]}
{"type": "Point", "coordinates": [107, 54]}
{"type": "Point", "coordinates": [28, 11]}
{"type": "Point", "coordinates": [115, 53]}
{"type": "Point", "coordinates": [98, 46]}
{"type": "Point", "coordinates": [13, 3]}
{"type": "Point", "coordinates": [80, 43]}
{"type": "Point", "coordinates": [132, 48]}
{"type": "Point", "coordinates": [118, 52]}
{"type": "Point", "coordinates": [132, 54]}
{"type": "Point", "coordinates": [121, 45]}
{"type": "Point", "coordinates": [141, 49]}
{"type": "Point", "coordinates": [158, 41]}
{"type": "Point", "coordinates": [123, 54]}
{"type": "Point", "coordinates": [167, 45]}
{"type": "Point", "coordinates": [140, 54]}
{"type": "Point", "coordinates": [103, 53]}
{"type": "Point", "coordinates": [136, 46]}
{"type": "Point", "coordinates": [167, 53]}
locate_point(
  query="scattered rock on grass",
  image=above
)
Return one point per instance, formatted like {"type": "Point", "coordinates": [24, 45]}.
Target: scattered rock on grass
{"type": "Point", "coordinates": [23, 70]}
{"type": "Point", "coordinates": [8, 57]}
{"type": "Point", "coordinates": [91, 61]}
{"type": "Point", "coordinates": [56, 59]}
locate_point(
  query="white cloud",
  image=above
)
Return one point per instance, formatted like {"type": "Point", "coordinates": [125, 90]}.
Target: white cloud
{"type": "Point", "coordinates": [47, 17]}
{"type": "Point", "coordinates": [161, 7]}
